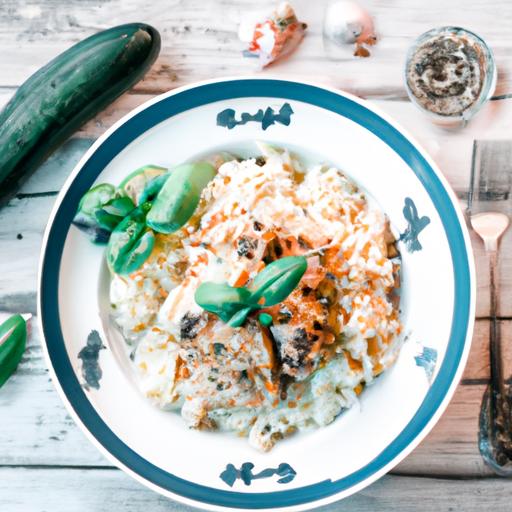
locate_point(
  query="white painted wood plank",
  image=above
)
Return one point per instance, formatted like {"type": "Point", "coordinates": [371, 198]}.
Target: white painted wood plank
{"type": "Point", "coordinates": [200, 38]}
{"type": "Point", "coordinates": [35, 427]}
{"type": "Point", "coordinates": [96, 490]}
{"type": "Point", "coordinates": [25, 218]}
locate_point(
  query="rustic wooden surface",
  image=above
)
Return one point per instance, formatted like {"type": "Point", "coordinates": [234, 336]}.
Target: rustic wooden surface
{"type": "Point", "coordinates": [46, 463]}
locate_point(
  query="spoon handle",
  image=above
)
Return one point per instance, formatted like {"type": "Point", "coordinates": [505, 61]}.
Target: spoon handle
{"type": "Point", "coordinates": [499, 416]}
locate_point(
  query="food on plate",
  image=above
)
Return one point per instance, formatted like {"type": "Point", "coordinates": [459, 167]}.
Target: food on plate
{"type": "Point", "coordinates": [275, 37]}
{"type": "Point", "coordinates": [266, 308]}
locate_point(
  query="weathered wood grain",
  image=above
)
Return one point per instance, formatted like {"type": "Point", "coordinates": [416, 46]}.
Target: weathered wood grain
{"type": "Point", "coordinates": [50, 436]}
{"type": "Point", "coordinates": [104, 490]}
{"type": "Point", "coordinates": [200, 39]}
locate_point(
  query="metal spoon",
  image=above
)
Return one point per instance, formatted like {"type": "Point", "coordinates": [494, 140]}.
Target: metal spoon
{"type": "Point", "coordinates": [495, 434]}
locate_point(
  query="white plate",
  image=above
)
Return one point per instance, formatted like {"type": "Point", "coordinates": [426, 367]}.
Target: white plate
{"type": "Point", "coordinates": [438, 298]}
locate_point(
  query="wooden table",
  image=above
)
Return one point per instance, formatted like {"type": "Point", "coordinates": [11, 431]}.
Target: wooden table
{"type": "Point", "coordinates": [46, 463]}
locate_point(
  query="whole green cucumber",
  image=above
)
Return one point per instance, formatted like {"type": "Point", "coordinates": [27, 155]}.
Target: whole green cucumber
{"type": "Point", "coordinates": [71, 89]}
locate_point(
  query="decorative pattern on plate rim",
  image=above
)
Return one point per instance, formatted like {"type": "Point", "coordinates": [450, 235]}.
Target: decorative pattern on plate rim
{"type": "Point", "coordinates": [230, 475]}
{"type": "Point", "coordinates": [427, 360]}
{"type": "Point", "coordinates": [415, 226]}
{"type": "Point", "coordinates": [227, 118]}
{"type": "Point", "coordinates": [91, 370]}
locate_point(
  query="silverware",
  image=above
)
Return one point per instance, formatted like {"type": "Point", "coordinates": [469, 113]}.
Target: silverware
{"type": "Point", "coordinates": [488, 204]}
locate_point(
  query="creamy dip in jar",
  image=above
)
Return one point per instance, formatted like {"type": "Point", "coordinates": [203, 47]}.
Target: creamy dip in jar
{"type": "Point", "coordinates": [450, 73]}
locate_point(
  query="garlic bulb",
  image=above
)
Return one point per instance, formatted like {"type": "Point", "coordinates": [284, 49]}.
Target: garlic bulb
{"type": "Point", "coordinates": [347, 22]}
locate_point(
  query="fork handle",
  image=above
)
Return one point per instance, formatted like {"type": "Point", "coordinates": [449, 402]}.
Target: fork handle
{"type": "Point", "coordinates": [497, 396]}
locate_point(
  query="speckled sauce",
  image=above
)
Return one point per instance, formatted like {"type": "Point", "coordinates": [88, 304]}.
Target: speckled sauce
{"type": "Point", "coordinates": [446, 72]}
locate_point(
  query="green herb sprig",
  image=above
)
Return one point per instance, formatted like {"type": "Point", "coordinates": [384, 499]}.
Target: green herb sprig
{"type": "Point", "coordinates": [149, 200]}
{"type": "Point", "coordinates": [270, 287]}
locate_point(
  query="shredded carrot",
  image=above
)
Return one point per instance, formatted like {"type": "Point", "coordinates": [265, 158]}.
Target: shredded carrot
{"type": "Point", "coordinates": [358, 389]}
{"type": "Point", "coordinates": [268, 235]}
{"type": "Point", "coordinates": [268, 345]}
{"type": "Point", "coordinates": [292, 404]}
{"type": "Point", "coordinates": [139, 327]}
{"type": "Point", "coordinates": [354, 364]}
{"type": "Point", "coordinates": [261, 265]}
{"type": "Point", "coordinates": [270, 387]}
{"type": "Point", "coordinates": [163, 293]}
{"type": "Point", "coordinates": [373, 346]}
{"type": "Point", "coordinates": [242, 279]}
{"type": "Point", "coordinates": [347, 254]}
{"type": "Point", "coordinates": [329, 338]}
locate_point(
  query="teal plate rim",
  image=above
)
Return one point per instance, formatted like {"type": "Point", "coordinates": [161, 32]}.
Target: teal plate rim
{"type": "Point", "coordinates": [159, 110]}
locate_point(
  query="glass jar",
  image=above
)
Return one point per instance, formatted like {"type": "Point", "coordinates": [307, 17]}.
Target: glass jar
{"type": "Point", "coordinates": [450, 74]}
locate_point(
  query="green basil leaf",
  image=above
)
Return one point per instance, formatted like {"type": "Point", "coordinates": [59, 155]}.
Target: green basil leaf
{"type": "Point", "coordinates": [179, 196]}
{"type": "Point", "coordinates": [96, 197]}
{"type": "Point", "coordinates": [137, 181]}
{"type": "Point", "coordinates": [130, 243]}
{"type": "Point", "coordinates": [221, 299]}
{"type": "Point", "coordinates": [86, 216]}
{"type": "Point", "coordinates": [152, 188]}
{"type": "Point", "coordinates": [13, 337]}
{"type": "Point", "coordinates": [238, 319]}
{"type": "Point", "coordinates": [277, 280]}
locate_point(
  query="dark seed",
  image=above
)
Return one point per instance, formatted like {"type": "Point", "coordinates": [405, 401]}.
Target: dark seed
{"type": "Point", "coordinates": [19, 236]}
{"type": "Point", "coordinates": [304, 243]}
{"type": "Point", "coordinates": [260, 161]}
{"type": "Point", "coordinates": [246, 246]}
{"type": "Point", "coordinates": [189, 326]}
{"type": "Point", "coordinates": [258, 226]}
{"type": "Point", "coordinates": [285, 315]}
{"type": "Point", "coordinates": [306, 291]}
{"type": "Point", "coordinates": [317, 325]}
{"type": "Point", "coordinates": [218, 348]}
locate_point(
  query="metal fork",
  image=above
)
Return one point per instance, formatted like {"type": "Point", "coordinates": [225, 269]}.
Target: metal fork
{"type": "Point", "coordinates": [488, 213]}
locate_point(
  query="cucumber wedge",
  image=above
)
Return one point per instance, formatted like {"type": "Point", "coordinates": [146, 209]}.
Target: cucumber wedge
{"type": "Point", "coordinates": [67, 92]}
